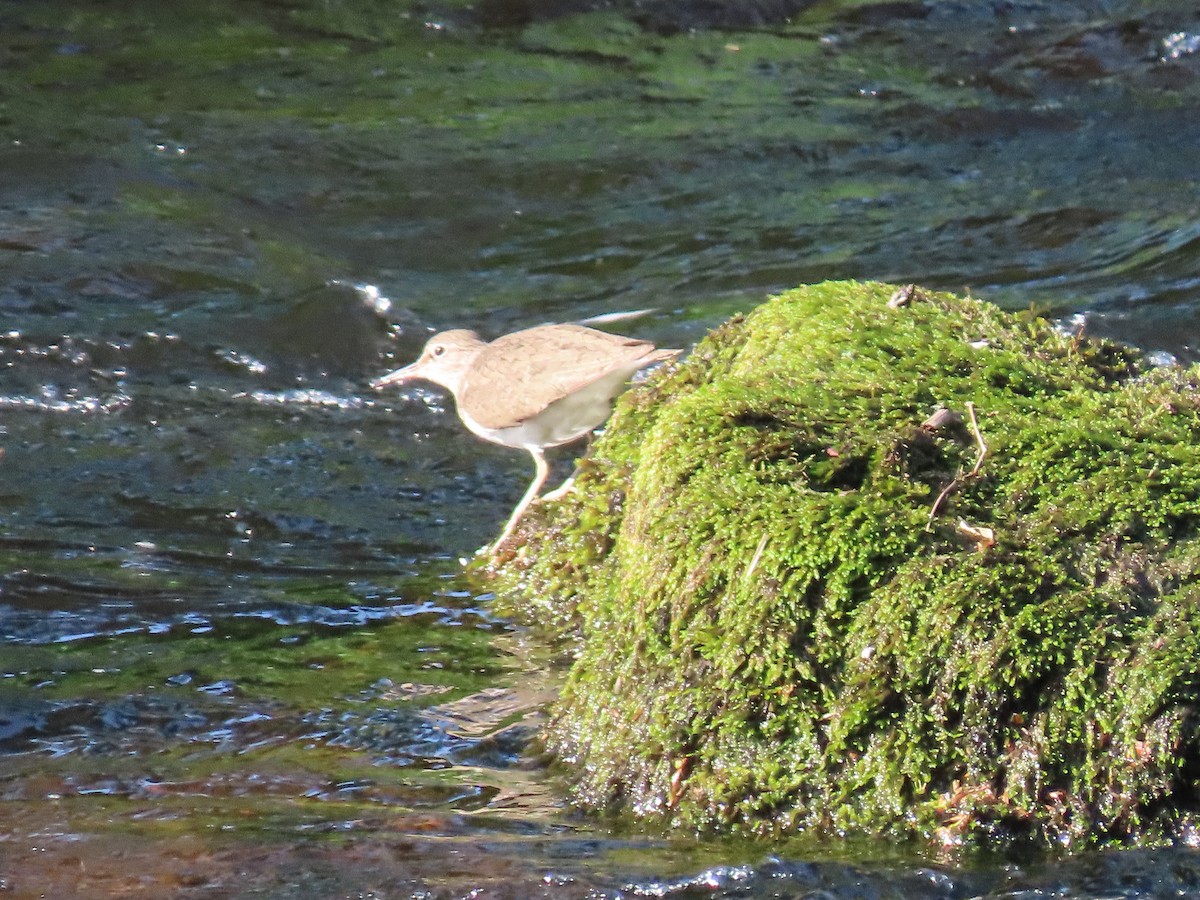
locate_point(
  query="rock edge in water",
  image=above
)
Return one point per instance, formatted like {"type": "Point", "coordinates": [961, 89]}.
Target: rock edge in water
{"type": "Point", "coordinates": [922, 567]}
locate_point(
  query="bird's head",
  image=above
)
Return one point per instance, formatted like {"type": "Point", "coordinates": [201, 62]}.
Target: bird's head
{"type": "Point", "coordinates": [445, 360]}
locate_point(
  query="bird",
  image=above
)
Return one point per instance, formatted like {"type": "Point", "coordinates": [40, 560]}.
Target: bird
{"type": "Point", "coordinates": [533, 389]}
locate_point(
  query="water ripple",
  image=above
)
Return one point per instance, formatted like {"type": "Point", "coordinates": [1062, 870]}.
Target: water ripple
{"type": "Point", "coordinates": [54, 404]}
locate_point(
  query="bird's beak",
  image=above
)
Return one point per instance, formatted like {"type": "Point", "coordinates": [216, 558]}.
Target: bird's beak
{"type": "Point", "coordinates": [399, 376]}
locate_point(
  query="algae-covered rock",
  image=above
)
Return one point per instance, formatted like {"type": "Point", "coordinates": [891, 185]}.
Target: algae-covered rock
{"type": "Point", "coordinates": [800, 604]}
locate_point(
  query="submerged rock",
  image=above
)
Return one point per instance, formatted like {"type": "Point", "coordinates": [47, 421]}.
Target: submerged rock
{"type": "Point", "coordinates": [919, 567]}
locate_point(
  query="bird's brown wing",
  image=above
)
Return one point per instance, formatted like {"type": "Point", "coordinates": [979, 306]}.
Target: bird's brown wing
{"type": "Point", "coordinates": [517, 376]}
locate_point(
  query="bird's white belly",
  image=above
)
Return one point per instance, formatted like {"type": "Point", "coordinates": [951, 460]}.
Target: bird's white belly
{"type": "Point", "coordinates": [562, 421]}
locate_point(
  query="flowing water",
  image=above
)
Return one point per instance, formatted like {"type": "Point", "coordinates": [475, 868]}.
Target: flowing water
{"type": "Point", "coordinates": [238, 656]}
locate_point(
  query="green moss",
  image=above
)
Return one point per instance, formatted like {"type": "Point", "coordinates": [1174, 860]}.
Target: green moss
{"type": "Point", "coordinates": [797, 608]}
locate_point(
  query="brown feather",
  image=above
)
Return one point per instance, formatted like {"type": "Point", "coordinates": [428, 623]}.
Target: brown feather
{"type": "Point", "coordinates": [548, 363]}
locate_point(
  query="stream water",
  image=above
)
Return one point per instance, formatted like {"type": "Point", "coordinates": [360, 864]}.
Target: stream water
{"type": "Point", "coordinates": [238, 655]}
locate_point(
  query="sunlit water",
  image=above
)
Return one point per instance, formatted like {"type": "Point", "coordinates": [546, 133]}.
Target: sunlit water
{"type": "Point", "coordinates": [237, 653]}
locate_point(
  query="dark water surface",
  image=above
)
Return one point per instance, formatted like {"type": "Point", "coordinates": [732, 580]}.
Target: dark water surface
{"type": "Point", "coordinates": [237, 653]}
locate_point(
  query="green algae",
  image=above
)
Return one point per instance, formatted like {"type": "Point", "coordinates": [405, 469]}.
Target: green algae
{"type": "Point", "coordinates": [800, 606]}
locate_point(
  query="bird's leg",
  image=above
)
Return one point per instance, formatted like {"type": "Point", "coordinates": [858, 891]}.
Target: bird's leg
{"type": "Point", "coordinates": [559, 492]}
{"type": "Point", "coordinates": [569, 485]}
{"type": "Point", "coordinates": [539, 478]}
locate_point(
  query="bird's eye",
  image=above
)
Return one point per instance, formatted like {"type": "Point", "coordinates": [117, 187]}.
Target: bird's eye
{"type": "Point", "coordinates": [439, 350]}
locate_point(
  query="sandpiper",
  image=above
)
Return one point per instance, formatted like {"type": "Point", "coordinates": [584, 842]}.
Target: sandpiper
{"type": "Point", "coordinates": [532, 389]}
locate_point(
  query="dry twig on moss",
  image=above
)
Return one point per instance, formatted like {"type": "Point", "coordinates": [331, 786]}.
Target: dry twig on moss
{"type": "Point", "coordinates": [958, 479]}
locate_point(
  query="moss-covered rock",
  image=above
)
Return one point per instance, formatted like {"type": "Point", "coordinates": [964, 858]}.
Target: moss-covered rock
{"type": "Point", "coordinates": [801, 605]}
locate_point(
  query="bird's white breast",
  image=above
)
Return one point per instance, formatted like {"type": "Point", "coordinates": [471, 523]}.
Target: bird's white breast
{"type": "Point", "coordinates": [564, 420]}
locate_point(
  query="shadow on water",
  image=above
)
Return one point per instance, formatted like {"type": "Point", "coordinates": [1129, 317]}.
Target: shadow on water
{"type": "Point", "coordinates": [238, 656]}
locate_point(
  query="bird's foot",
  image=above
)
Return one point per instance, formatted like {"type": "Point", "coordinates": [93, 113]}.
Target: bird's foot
{"type": "Point", "coordinates": [498, 550]}
{"type": "Point", "coordinates": [490, 557]}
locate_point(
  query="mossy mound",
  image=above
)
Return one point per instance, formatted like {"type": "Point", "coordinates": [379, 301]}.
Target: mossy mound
{"type": "Point", "coordinates": [800, 605]}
